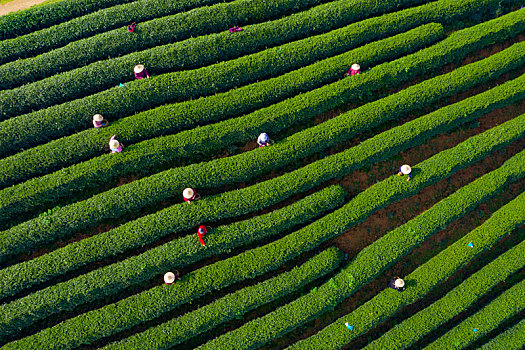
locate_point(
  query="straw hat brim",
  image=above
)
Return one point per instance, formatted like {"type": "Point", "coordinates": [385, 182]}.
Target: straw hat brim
{"type": "Point", "coordinates": [406, 169]}
{"type": "Point", "coordinates": [114, 144]}
{"type": "Point", "coordinates": [169, 277]}
{"type": "Point", "coordinates": [138, 68]}
{"type": "Point", "coordinates": [188, 193]}
{"type": "Point", "coordinates": [355, 66]}
{"type": "Point", "coordinates": [97, 117]}
{"type": "Point", "coordinates": [399, 283]}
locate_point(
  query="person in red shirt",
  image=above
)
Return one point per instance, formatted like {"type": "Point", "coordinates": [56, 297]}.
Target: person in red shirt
{"type": "Point", "coordinates": [131, 27]}
{"type": "Point", "coordinates": [201, 232]}
{"type": "Point", "coordinates": [189, 194]}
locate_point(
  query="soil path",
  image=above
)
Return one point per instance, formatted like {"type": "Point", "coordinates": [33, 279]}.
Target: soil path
{"type": "Point", "coordinates": [18, 5]}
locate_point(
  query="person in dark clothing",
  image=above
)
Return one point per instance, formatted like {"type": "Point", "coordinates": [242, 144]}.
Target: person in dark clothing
{"type": "Point", "coordinates": [397, 284]}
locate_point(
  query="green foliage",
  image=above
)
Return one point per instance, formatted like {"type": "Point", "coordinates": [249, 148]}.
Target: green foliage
{"type": "Point", "coordinates": [161, 121]}
{"type": "Point", "coordinates": [456, 301]}
{"type": "Point", "coordinates": [490, 317]}
{"type": "Point", "coordinates": [180, 252]}
{"type": "Point", "coordinates": [116, 202]}
{"type": "Point", "coordinates": [199, 321]}
{"type": "Point", "coordinates": [375, 258]}
{"type": "Point", "coordinates": [158, 31]}
{"type": "Point", "coordinates": [23, 22]}
{"type": "Point", "coordinates": [512, 339]}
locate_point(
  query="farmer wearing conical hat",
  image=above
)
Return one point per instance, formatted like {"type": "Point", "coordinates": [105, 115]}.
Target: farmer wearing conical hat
{"type": "Point", "coordinates": [200, 233]}
{"type": "Point", "coordinates": [98, 121]}
{"type": "Point", "coordinates": [114, 145]}
{"type": "Point", "coordinates": [405, 170]}
{"type": "Point", "coordinates": [140, 72]}
{"type": "Point", "coordinates": [189, 194]}
{"type": "Point", "coordinates": [355, 69]}
{"type": "Point", "coordinates": [397, 284]}
{"type": "Point", "coordinates": [170, 277]}
{"type": "Point", "coordinates": [263, 140]}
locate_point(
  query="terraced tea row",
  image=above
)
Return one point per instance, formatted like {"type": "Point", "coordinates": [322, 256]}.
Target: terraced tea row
{"type": "Point", "coordinates": [511, 339]}
{"type": "Point", "coordinates": [46, 39]}
{"type": "Point", "coordinates": [427, 276]}
{"type": "Point", "coordinates": [23, 22]}
{"type": "Point", "coordinates": [457, 300]}
{"type": "Point", "coordinates": [372, 260]}
{"type": "Point", "coordinates": [37, 193]}
{"type": "Point", "coordinates": [90, 143]}
{"type": "Point", "coordinates": [354, 212]}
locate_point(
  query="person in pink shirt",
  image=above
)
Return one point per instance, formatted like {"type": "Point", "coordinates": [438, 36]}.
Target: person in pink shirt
{"type": "Point", "coordinates": [140, 72]}
{"type": "Point", "coordinates": [355, 69]}
{"type": "Point", "coordinates": [98, 121]}
{"type": "Point", "coordinates": [131, 27]}
{"type": "Point", "coordinates": [114, 145]}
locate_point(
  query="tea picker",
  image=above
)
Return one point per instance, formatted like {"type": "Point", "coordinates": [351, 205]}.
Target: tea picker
{"type": "Point", "coordinates": [140, 72]}
{"type": "Point", "coordinates": [263, 140]}
{"type": "Point", "coordinates": [405, 170]}
{"type": "Point", "coordinates": [114, 145]}
{"type": "Point", "coordinates": [170, 277]}
{"type": "Point", "coordinates": [201, 232]}
{"type": "Point", "coordinates": [235, 29]}
{"type": "Point", "coordinates": [98, 121]}
{"type": "Point", "coordinates": [131, 27]}
{"type": "Point", "coordinates": [355, 69]}
{"type": "Point", "coordinates": [397, 284]}
{"type": "Point", "coordinates": [189, 194]}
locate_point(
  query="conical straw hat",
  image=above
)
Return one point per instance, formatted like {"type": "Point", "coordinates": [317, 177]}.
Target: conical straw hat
{"type": "Point", "coordinates": [97, 118]}
{"type": "Point", "coordinates": [188, 193]}
{"type": "Point", "coordinates": [406, 169]}
{"type": "Point", "coordinates": [169, 277]}
{"type": "Point", "coordinates": [399, 283]}
{"type": "Point", "coordinates": [138, 68]}
{"type": "Point", "coordinates": [114, 144]}
{"type": "Point", "coordinates": [264, 137]}
{"type": "Point", "coordinates": [355, 66]}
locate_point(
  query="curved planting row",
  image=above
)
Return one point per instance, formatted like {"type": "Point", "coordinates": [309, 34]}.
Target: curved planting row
{"type": "Point", "coordinates": [427, 276]}
{"type": "Point", "coordinates": [77, 28]}
{"type": "Point", "coordinates": [35, 18]}
{"type": "Point", "coordinates": [14, 278]}
{"type": "Point", "coordinates": [452, 304]}
{"type": "Point", "coordinates": [185, 55]}
{"type": "Point", "coordinates": [90, 143]}
{"type": "Point", "coordinates": [190, 53]}
{"type": "Point", "coordinates": [226, 308]}
{"type": "Point", "coordinates": [158, 31]}
{"type": "Point", "coordinates": [375, 198]}
{"type": "Point", "coordinates": [490, 317]}
{"type": "Point", "coordinates": [184, 251]}
{"type": "Point", "coordinates": [114, 278]}
{"type": "Point", "coordinates": [159, 300]}
{"type": "Point", "coordinates": [373, 259]}
{"type": "Point", "coordinates": [46, 190]}
{"type": "Point", "coordinates": [512, 339]}
{"type": "Point", "coordinates": [88, 213]}
{"type": "Point", "coordinates": [136, 96]}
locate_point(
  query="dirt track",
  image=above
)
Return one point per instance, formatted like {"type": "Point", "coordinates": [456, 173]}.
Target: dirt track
{"type": "Point", "coordinates": [18, 5]}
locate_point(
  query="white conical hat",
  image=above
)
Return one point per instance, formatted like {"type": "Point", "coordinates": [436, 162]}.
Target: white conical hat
{"type": "Point", "coordinates": [97, 117]}
{"type": "Point", "coordinates": [138, 68]}
{"type": "Point", "coordinates": [355, 66]}
{"type": "Point", "coordinates": [406, 169]}
{"type": "Point", "coordinates": [188, 193]}
{"type": "Point", "coordinates": [169, 277]}
{"type": "Point", "coordinates": [264, 136]}
{"type": "Point", "coordinates": [114, 144]}
{"type": "Point", "coordinates": [399, 283]}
